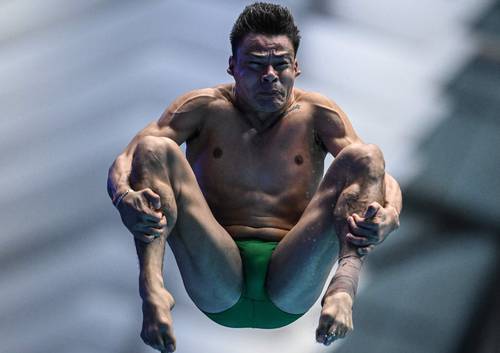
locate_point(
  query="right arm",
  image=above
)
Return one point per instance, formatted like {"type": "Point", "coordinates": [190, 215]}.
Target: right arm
{"type": "Point", "coordinates": [180, 121]}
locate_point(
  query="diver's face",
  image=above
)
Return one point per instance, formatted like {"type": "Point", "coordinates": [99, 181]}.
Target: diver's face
{"type": "Point", "coordinates": [264, 71]}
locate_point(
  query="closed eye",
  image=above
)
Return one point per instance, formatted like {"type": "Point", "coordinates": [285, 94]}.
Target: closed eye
{"type": "Point", "coordinates": [255, 64]}
{"type": "Point", "coordinates": [282, 65]}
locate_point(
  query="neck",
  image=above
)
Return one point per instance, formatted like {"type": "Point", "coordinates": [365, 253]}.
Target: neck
{"type": "Point", "coordinates": [261, 120]}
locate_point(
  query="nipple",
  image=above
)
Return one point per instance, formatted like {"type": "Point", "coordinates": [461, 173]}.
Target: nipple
{"type": "Point", "coordinates": [217, 152]}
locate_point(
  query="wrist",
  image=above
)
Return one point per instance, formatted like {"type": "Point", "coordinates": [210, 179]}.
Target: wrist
{"type": "Point", "coordinates": [119, 196]}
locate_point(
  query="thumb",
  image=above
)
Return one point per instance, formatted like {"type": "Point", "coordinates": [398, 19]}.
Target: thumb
{"type": "Point", "coordinates": [153, 198]}
{"type": "Point", "coordinates": [372, 210]}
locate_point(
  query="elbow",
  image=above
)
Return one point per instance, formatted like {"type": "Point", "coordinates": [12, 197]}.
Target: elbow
{"type": "Point", "coordinates": [110, 187]}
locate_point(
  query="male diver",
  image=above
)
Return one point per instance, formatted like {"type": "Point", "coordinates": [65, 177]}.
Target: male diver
{"type": "Point", "coordinates": [252, 219]}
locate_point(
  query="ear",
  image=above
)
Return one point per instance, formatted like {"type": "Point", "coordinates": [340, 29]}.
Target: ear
{"type": "Point", "coordinates": [296, 68]}
{"type": "Point", "coordinates": [230, 68]}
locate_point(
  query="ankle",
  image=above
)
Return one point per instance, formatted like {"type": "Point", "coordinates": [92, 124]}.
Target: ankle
{"type": "Point", "coordinates": [157, 297]}
{"type": "Point", "coordinates": [337, 298]}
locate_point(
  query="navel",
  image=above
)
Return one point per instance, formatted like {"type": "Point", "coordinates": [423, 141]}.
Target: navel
{"type": "Point", "coordinates": [217, 152]}
{"type": "Point", "coordinates": [298, 159]}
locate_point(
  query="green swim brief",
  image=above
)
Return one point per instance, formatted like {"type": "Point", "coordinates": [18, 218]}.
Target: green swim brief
{"type": "Point", "coordinates": [254, 308]}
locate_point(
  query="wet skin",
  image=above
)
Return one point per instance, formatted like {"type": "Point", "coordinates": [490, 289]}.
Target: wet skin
{"type": "Point", "coordinates": [253, 169]}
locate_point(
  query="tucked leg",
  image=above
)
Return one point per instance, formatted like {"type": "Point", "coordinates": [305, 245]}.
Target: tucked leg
{"type": "Point", "coordinates": [207, 256]}
{"type": "Point", "coordinates": [303, 259]}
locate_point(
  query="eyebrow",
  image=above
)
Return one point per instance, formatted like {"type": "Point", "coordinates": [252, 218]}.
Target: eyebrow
{"type": "Point", "coordinates": [285, 55]}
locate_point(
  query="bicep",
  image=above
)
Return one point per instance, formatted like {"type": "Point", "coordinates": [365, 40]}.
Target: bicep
{"type": "Point", "coordinates": [333, 128]}
{"type": "Point", "coordinates": [179, 122]}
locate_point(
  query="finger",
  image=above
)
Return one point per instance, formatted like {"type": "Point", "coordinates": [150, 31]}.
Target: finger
{"type": "Point", "coordinates": [372, 209]}
{"type": "Point", "coordinates": [144, 237]}
{"type": "Point", "coordinates": [152, 226]}
{"type": "Point", "coordinates": [152, 217]}
{"type": "Point", "coordinates": [163, 221]}
{"type": "Point", "coordinates": [153, 198]}
{"type": "Point", "coordinates": [147, 228]}
{"type": "Point", "coordinates": [153, 232]}
{"type": "Point", "coordinates": [356, 229]}
{"type": "Point", "coordinates": [365, 250]}
{"type": "Point", "coordinates": [159, 225]}
{"type": "Point", "coordinates": [360, 241]}
{"type": "Point", "coordinates": [364, 222]}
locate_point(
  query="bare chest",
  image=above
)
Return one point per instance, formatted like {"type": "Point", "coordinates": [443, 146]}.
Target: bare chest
{"type": "Point", "coordinates": [231, 156]}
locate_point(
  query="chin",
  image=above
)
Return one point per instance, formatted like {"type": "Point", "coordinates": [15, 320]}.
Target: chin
{"type": "Point", "coordinates": [270, 107]}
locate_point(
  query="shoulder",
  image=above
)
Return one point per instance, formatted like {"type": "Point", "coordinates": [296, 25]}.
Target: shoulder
{"type": "Point", "coordinates": [324, 111]}
{"type": "Point", "coordinates": [194, 104]}
{"type": "Point", "coordinates": [331, 124]}
{"type": "Point", "coordinates": [197, 99]}
{"type": "Point", "coordinates": [319, 103]}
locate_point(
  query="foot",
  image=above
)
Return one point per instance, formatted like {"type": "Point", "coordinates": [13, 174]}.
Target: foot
{"type": "Point", "coordinates": [336, 318]}
{"type": "Point", "coordinates": [157, 328]}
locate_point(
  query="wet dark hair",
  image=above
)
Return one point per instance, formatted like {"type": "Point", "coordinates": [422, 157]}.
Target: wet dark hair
{"type": "Point", "coordinates": [264, 18]}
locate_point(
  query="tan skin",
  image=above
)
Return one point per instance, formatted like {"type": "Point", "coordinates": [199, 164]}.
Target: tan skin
{"type": "Point", "coordinates": [253, 169]}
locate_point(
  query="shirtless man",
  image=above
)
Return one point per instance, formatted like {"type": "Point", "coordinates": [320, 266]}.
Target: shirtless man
{"type": "Point", "coordinates": [254, 223]}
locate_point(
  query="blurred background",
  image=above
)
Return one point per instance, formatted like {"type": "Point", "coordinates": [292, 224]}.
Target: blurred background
{"type": "Point", "coordinates": [79, 78]}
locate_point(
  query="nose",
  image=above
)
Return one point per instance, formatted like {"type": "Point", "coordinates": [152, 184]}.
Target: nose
{"type": "Point", "coordinates": [269, 74]}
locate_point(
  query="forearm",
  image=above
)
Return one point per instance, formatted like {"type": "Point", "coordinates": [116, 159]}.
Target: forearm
{"type": "Point", "coordinates": [150, 266]}
{"type": "Point", "coordinates": [118, 176]}
{"type": "Point", "coordinates": [393, 195]}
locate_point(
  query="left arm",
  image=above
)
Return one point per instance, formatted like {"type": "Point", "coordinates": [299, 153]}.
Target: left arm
{"type": "Point", "coordinates": [373, 226]}
{"type": "Point", "coordinates": [378, 221]}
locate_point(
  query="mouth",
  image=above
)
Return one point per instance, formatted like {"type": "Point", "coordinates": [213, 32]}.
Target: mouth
{"type": "Point", "coordinates": [272, 93]}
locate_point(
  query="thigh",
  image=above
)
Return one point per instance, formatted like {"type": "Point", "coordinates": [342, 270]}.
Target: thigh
{"type": "Point", "coordinates": [305, 256]}
{"type": "Point", "coordinates": [207, 256]}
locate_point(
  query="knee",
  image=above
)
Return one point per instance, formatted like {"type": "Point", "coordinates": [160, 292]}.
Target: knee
{"type": "Point", "coordinates": [152, 150]}
{"type": "Point", "coordinates": [363, 159]}
{"type": "Point", "coordinates": [153, 146]}
{"type": "Point", "coordinates": [151, 156]}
